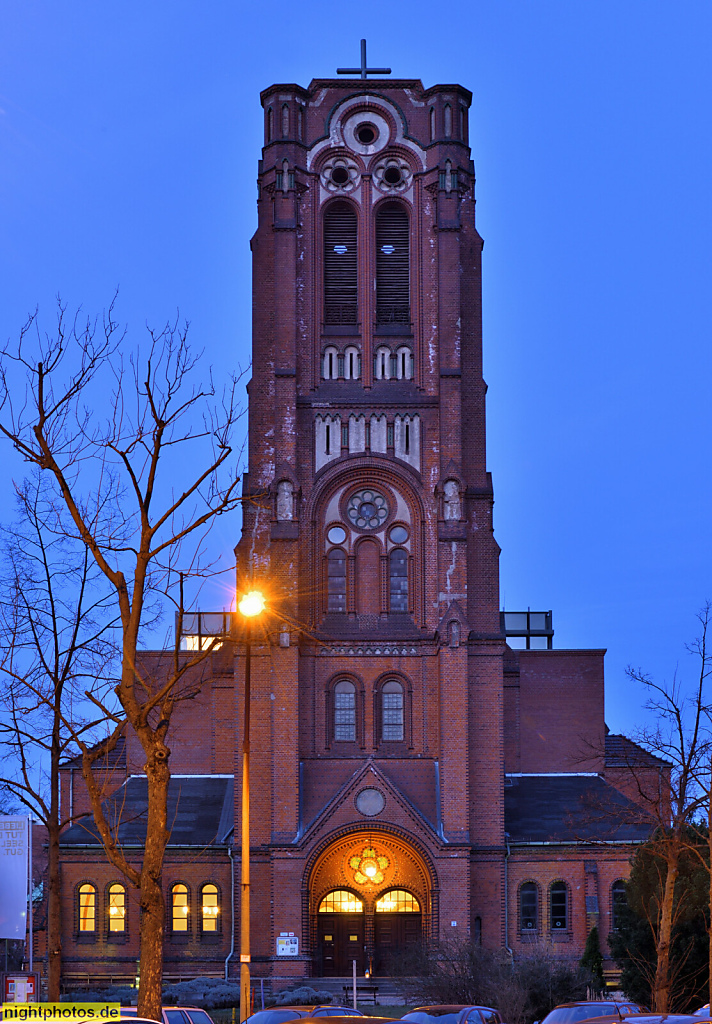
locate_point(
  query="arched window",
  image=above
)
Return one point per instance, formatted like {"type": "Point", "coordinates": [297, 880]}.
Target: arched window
{"type": "Point", "coordinates": [447, 119]}
{"type": "Point", "coordinates": [331, 364]}
{"type": "Point", "coordinates": [619, 900]}
{"type": "Point", "coordinates": [179, 908]}
{"type": "Point", "coordinates": [87, 908]}
{"type": "Point", "coordinates": [340, 901]}
{"type": "Point", "coordinates": [399, 580]}
{"type": "Point", "coordinates": [285, 120]}
{"type": "Point", "coordinates": [382, 363]}
{"type": "Point", "coordinates": [477, 931]}
{"type": "Point", "coordinates": [345, 711]}
{"type": "Point", "coordinates": [269, 131]}
{"type": "Point", "coordinates": [397, 901]}
{"type": "Point", "coordinates": [336, 569]}
{"type": "Point", "coordinates": [352, 363]}
{"type": "Point", "coordinates": [404, 363]}
{"type": "Point", "coordinates": [528, 908]}
{"type": "Point", "coordinates": [463, 123]}
{"type": "Point", "coordinates": [432, 124]}
{"type": "Point", "coordinates": [209, 908]}
{"type": "Point", "coordinates": [558, 907]}
{"type": "Point", "coordinates": [392, 265]}
{"type": "Point", "coordinates": [392, 711]}
{"type": "Point", "coordinates": [300, 122]}
{"type": "Point", "coordinates": [117, 908]}
{"type": "Point", "coordinates": [340, 265]}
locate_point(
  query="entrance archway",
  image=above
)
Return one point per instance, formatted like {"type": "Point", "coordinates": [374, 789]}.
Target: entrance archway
{"type": "Point", "coordinates": [369, 898]}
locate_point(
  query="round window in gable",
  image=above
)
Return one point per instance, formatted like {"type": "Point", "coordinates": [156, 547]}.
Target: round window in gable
{"type": "Point", "coordinates": [399, 535]}
{"type": "Point", "coordinates": [336, 535]}
{"type": "Point", "coordinates": [370, 802]}
{"type": "Point", "coordinates": [366, 133]}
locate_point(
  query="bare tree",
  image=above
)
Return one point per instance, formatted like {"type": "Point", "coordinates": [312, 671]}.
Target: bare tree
{"type": "Point", "coordinates": [681, 736]}
{"type": "Point", "coordinates": [142, 438]}
{"type": "Point", "coordinates": [57, 628]}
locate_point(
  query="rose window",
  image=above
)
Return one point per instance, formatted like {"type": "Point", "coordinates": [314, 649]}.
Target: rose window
{"type": "Point", "coordinates": [368, 866]}
{"type": "Point", "coordinates": [367, 509]}
{"type": "Point", "coordinates": [392, 174]}
{"type": "Point", "coordinates": [340, 174]}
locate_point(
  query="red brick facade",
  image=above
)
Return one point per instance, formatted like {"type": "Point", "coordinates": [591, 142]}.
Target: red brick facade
{"type": "Point", "coordinates": [386, 706]}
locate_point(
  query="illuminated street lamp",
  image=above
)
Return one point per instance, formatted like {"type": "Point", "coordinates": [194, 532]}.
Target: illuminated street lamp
{"type": "Point", "coordinates": [250, 605]}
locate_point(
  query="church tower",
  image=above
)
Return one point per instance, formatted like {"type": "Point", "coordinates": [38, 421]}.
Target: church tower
{"type": "Point", "coordinates": [377, 765]}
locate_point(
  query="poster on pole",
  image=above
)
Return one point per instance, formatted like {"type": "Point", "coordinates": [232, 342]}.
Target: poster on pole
{"type": "Point", "coordinates": [13, 878]}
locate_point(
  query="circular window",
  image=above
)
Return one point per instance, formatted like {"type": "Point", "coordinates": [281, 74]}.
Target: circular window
{"type": "Point", "coordinates": [336, 535]}
{"type": "Point", "coordinates": [399, 535]}
{"type": "Point", "coordinates": [367, 509]}
{"type": "Point", "coordinates": [366, 133]}
{"type": "Point", "coordinates": [392, 175]}
{"type": "Point", "coordinates": [339, 175]}
{"type": "Point", "coordinates": [370, 802]}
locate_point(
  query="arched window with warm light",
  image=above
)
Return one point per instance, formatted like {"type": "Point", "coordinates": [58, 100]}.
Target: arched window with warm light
{"type": "Point", "coordinates": [392, 264]}
{"type": "Point", "coordinates": [528, 908]}
{"type": "Point", "coordinates": [86, 898]}
{"type": "Point", "coordinates": [209, 908]}
{"type": "Point", "coordinates": [345, 711]}
{"type": "Point", "coordinates": [558, 907]}
{"type": "Point", "coordinates": [117, 908]}
{"type": "Point", "coordinates": [336, 580]}
{"type": "Point", "coordinates": [397, 901]}
{"type": "Point", "coordinates": [340, 265]}
{"type": "Point", "coordinates": [341, 901]}
{"type": "Point", "coordinates": [180, 908]}
{"type": "Point", "coordinates": [392, 712]}
{"type": "Point", "coordinates": [398, 580]}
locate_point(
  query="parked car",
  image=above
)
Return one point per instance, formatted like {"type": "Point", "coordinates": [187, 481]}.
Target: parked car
{"type": "Point", "coordinates": [280, 1014]}
{"type": "Point", "coordinates": [651, 1018]}
{"type": "Point", "coordinates": [574, 1013]}
{"type": "Point", "coordinates": [173, 1014]}
{"type": "Point", "coordinates": [446, 1013]}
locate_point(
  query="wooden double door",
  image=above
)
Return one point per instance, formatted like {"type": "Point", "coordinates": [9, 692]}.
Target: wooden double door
{"type": "Point", "coordinates": [342, 940]}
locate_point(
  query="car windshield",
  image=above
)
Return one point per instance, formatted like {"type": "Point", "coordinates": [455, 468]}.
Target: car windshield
{"type": "Point", "coordinates": [337, 1011]}
{"type": "Point", "coordinates": [572, 1014]}
{"type": "Point", "coordinates": [421, 1017]}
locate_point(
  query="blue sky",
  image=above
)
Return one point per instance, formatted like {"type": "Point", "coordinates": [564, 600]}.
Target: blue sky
{"type": "Point", "coordinates": [129, 136]}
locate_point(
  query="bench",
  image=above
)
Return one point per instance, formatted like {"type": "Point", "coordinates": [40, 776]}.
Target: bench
{"type": "Point", "coordinates": [361, 990]}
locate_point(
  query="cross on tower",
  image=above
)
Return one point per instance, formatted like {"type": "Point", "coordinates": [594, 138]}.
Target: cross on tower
{"type": "Point", "coordinates": [363, 71]}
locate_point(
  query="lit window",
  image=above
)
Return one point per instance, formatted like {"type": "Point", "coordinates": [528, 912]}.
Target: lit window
{"type": "Point", "coordinates": [392, 711]}
{"type": "Point", "coordinates": [528, 907]}
{"type": "Point", "coordinates": [179, 908]}
{"type": "Point", "coordinates": [345, 711]}
{"type": "Point", "coordinates": [558, 909]}
{"type": "Point", "coordinates": [397, 901]}
{"type": "Point", "coordinates": [209, 908]}
{"type": "Point", "coordinates": [117, 908]}
{"type": "Point", "coordinates": [340, 901]}
{"type": "Point", "coordinates": [87, 908]}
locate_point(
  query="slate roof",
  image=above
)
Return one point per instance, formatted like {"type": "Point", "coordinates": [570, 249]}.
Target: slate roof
{"type": "Point", "coordinates": [116, 758]}
{"type": "Point", "coordinates": [624, 753]}
{"type": "Point", "coordinates": [200, 813]}
{"type": "Point", "coordinates": [570, 809]}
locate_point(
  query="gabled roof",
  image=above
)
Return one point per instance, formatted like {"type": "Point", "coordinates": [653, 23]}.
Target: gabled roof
{"type": "Point", "coordinates": [200, 813]}
{"type": "Point", "coordinates": [116, 758]}
{"type": "Point", "coordinates": [624, 753]}
{"type": "Point", "coordinates": [570, 809]}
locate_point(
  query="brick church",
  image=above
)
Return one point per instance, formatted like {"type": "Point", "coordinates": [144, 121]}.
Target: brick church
{"type": "Point", "coordinates": [424, 766]}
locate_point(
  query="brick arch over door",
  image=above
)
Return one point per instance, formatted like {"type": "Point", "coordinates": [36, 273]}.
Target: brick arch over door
{"type": "Point", "coordinates": [401, 865]}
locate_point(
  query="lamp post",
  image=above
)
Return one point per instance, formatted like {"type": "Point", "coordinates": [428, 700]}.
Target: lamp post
{"type": "Point", "coordinates": [250, 605]}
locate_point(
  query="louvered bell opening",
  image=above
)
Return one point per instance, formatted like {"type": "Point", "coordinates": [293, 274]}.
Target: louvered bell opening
{"type": "Point", "coordinates": [340, 265]}
{"type": "Point", "coordinates": [392, 265]}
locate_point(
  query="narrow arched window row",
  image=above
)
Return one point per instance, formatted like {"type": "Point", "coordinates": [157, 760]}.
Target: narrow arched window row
{"type": "Point", "coordinates": [393, 363]}
{"type": "Point", "coordinates": [341, 365]}
{"type": "Point", "coordinates": [400, 437]}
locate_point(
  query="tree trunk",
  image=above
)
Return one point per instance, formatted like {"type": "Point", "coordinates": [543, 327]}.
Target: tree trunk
{"type": "Point", "coordinates": [709, 844]}
{"type": "Point", "coordinates": [150, 989]}
{"type": "Point", "coordinates": [661, 987]}
{"type": "Point", "coordinates": [54, 895]}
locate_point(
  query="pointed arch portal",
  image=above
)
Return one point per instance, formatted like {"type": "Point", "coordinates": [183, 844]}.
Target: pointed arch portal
{"type": "Point", "coordinates": [370, 896]}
